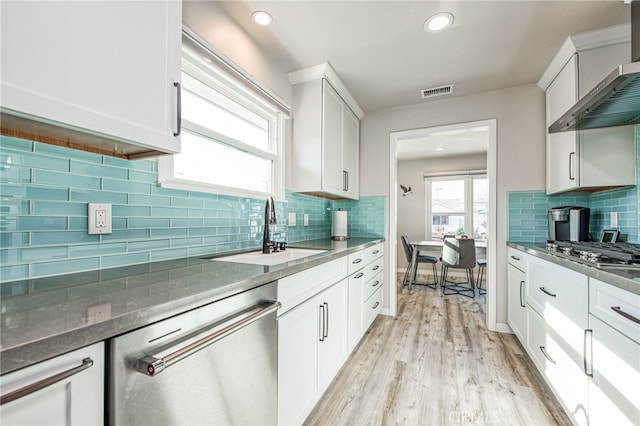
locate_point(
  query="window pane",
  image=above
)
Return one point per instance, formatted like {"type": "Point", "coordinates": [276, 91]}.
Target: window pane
{"type": "Point", "coordinates": [207, 161]}
{"type": "Point", "coordinates": [447, 196]}
{"type": "Point", "coordinates": [480, 208]}
{"type": "Point", "coordinates": [446, 224]}
{"type": "Point", "coordinates": [219, 113]}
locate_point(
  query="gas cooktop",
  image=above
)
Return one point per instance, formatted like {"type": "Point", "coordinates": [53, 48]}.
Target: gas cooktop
{"type": "Point", "coordinates": [600, 255]}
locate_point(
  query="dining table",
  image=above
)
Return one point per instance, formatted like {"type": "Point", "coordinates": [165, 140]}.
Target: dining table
{"type": "Point", "coordinates": [430, 245]}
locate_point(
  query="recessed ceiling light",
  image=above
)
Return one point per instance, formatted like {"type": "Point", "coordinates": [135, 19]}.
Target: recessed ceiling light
{"type": "Point", "coordinates": [440, 148]}
{"type": "Point", "coordinates": [438, 22]}
{"type": "Point", "coordinates": [261, 17]}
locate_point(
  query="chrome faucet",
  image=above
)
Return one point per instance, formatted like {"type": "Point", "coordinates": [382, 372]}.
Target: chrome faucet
{"type": "Point", "coordinates": [269, 219]}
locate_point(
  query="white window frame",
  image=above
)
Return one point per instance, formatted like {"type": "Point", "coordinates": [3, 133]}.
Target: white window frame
{"type": "Point", "coordinates": [468, 178]}
{"type": "Point", "coordinates": [233, 86]}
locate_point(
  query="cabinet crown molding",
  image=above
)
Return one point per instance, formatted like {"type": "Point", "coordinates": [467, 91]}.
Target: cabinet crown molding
{"type": "Point", "coordinates": [326, 71]}
{"type": "Point", "coordinates": [602, 37]}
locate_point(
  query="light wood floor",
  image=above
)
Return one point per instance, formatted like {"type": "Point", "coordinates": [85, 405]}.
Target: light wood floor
{"type": "Point", "coordinates": [437, 364]}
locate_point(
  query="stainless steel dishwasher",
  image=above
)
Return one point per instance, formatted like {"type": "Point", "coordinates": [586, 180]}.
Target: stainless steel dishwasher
{"type": "Point", "coordinates": [216, 364]}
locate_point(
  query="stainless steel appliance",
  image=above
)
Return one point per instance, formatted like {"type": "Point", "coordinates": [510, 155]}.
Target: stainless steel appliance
{"type": "Point", "coordinates": [569, 223]}
{"type": "Point", "coordinates": [216, 364]}
{"type": "Point", "coordinates": [598, 254]}
{"type": "Point", "coordinates": [614, 101]}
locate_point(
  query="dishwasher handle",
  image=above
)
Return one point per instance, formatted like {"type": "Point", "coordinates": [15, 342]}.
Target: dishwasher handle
{"type": "Point", "coordinates": [152, 366]}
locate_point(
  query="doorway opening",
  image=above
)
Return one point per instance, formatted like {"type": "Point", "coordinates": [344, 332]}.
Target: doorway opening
{"type": "Point", "coordinates": [463, 145]}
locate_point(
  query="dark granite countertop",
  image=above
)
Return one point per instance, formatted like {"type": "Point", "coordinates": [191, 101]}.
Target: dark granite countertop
{"type": "Point", "coordinates": [44, 317]}
{"type": "Point", "coordinates": [626, 279]}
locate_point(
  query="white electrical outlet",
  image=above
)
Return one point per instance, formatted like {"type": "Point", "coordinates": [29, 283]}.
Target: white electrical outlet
{"type": "Point", "coordinates": [614, 220]}
{"type": "Point", "coordinates": [292, 219]}
{"type": "Point", "coordinates": [305, 219]}
{"type": "Point", "coordinates": [99, 218]}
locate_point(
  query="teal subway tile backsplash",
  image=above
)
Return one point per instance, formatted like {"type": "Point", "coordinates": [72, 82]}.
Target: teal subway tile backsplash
{"type": "Point", "coordinates": [45, 189]}
{"type": "Point", "coordinates": [527, 210]}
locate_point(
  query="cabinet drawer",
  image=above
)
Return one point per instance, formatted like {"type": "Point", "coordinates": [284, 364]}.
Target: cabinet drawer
{"type": "Point", "coordinates": [372, 307]}
{"type": "Point", "coordinates": [372, 285]}
{"type": "Point", "coordinates": [374, 252]}
{"type": "Point", "coordinates": [517, 258]}
{"type": "Point", "coordinates": [357, 261]}
{"type": "Point", "coordinates": [560, 365]}
{"type": "Point", "coordinates": [76, 399]}
{"type": "Point", "coordinates": [560, 296]}
{"type": "Point", "coordinates": [616, 307]}
{"type": "Point", "coordinates": [297, 288]}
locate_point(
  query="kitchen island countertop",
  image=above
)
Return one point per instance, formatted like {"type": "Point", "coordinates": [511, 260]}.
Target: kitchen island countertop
{"type": "Point", "coordinates": [44, 317]}
{"type": "Point", "coordinates": [626, 279]}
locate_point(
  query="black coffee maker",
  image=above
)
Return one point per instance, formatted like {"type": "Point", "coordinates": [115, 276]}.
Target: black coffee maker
{"type": "Point", "coordinates": [569, 223]}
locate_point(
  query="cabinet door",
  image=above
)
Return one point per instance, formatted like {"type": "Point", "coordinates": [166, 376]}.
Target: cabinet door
{"type": "Point", "coordinates": [562, 147]}
{"type": "Point", "coordinates": [103, 67]}
{"type": "Point", "coordinates": [516, 308]}
{"type": "Point", "coordinates": [332, 333]}
{"type": "Point", "coordinates": [614, 393]}
{"type": "Point", "coordinates": [332, 114]}
{"type": "Point", "coordinates": [297, 362]}
{"type": "Point", "coordinates": [75, 400]}
{"type": "Point", "coordinates": [556, 361]}
{"type": "Point", "coordinates": [351, 152]}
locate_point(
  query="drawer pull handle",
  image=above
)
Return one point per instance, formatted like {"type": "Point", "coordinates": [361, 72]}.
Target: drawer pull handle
{"type": "Point", "coordinates": [375, 268]}
{"type": "Point", "coordinates": [545, 291]}
{"type": "Point", "coordinates": [628, 316]}
{"type": "Point", "coordinates": [515, 257]}
{"type": "Point", "coordinates": [375, 306]}
{"type": "Point", "coordinates": [358, 260]}
{"type": "Point", "coordinates": [546, 355]}
{"type": "Point", "coordinates": [359, 275]}
{"type": "Point", "coordinates": [48, 381]}
{"type": "Point", "coordinates": [376, 251]}
{"type": "Point", "coordinates": [376, 283]}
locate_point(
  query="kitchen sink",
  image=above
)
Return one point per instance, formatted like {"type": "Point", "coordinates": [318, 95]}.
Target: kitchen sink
{"type": "Point", "coordinates": [259, 258]}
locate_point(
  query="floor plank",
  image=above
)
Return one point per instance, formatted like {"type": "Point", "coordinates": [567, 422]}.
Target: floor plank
{"type": "Point", "coordinates": [436, 363]}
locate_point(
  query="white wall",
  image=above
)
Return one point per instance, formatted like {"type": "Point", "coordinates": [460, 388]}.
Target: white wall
{"type": "Point", "coordinates": [519, 112]}
{"type": "Point", "coordinates": [412, 208]}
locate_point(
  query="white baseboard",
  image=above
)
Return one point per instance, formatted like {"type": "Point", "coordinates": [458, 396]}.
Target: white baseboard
{"type": "Point", "coordinates": [502, 327]}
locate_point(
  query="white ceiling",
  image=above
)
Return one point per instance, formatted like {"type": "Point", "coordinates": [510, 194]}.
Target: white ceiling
{"type": "Point", "coordinates": [384, 57]}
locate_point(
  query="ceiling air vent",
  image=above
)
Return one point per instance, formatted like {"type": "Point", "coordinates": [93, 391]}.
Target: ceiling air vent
{"type": "Point", "coordinates": [437, 91]}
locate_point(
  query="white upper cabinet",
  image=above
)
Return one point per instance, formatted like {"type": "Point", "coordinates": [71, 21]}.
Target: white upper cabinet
{"type": "Point", "coordinates": [106, 72]}
{"type": "Point", "coordinates": [326, 135]}
{"type": "Point", "coordinates": [589, 159]}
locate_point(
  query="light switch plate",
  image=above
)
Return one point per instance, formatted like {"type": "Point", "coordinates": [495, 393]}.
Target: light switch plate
{"type": "Point", "coordinates": [99, 218]}
{"type": "Point", "coordinates": [292, 219]}
{"type": "Point", "coordinates": [306, 219]}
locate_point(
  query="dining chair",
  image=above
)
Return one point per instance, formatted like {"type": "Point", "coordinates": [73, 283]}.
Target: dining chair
{"type": "Point", "coordinates": [482, 266]}
{"type": "Point", "coordinates": [410, 275]}
{"type": "Point", "coordinates": [458, 253]}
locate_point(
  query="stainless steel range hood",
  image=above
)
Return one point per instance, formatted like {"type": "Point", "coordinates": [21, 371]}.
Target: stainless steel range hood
{"type": "Point", "coordinates": [615, 101]}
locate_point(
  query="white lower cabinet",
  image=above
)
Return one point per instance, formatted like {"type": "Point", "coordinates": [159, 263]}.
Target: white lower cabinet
{"type": "Point", "coordinates": [325, 312]}
{"type": "Point", "coordinates": [516, 282]}
{"type": "Point", "coordinates": [365, 289]}
{"type": "Point", "coordinates": [312, 346]}
{"type": "Point", "coordinates": [614, 389]}
{"type": "Point", "coordinates": [76, 399]}
{"type": "Point", "coordinates": [583, 335]}
{"type": "Point", "coordinates": [614, 323]}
